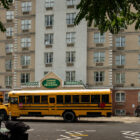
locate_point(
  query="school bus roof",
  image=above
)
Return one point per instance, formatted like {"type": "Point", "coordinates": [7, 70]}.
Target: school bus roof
{"type": "Point", "coordinates": [60, 92]}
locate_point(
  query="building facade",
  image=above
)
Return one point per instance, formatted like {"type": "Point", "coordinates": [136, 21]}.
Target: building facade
{"type": "Point", "coordinates": [41, 38]}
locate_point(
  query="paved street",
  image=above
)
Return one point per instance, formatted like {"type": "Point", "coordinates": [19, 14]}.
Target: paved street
{"type": "Point", "coordinates": [114, 128]}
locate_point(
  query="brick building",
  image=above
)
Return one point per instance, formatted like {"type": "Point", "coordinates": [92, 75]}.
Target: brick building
{"type": "Point", "coordinates": [42, 38]}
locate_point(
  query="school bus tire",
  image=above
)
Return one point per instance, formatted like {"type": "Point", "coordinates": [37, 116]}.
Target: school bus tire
{"type": "Point", "coordinates": [69, 116]}
{"type": "Point", "coordinates": [3, 115]}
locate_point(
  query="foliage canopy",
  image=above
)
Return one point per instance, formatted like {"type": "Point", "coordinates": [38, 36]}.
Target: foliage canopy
{"type": "Point", "coordinates": [5, 4]}
{"type": "Point", "coordinates": [109, 15]}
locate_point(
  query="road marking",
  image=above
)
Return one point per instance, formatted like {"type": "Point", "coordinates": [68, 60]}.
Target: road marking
{"type": "Point", "coordinates": [64, 137]}
{"type": "Point", "coordinates": [131, 135]}
{"type": "Point", "coordinates": [30, 130]}
{"type": "Point", "coordinates": [90, 130]}
{"type": "Point", "coordinates": [73, 135]}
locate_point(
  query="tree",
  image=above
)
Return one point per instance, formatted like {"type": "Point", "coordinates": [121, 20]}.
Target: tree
{"type": "Point", "coordinates": [109, 15]}
{"type": "Point", "coordinates": [5, 4]}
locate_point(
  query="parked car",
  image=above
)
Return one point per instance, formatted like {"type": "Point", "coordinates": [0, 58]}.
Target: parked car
{"type": "Point", "coordinates": [137, 111]}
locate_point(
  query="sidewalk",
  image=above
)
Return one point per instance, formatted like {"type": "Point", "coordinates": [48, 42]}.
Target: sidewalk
{"type": "Point", "coordinates": [124, 119]}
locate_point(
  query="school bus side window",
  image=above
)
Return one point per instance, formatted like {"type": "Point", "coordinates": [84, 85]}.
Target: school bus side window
{"type": "Point", "coordinates": [22, 99]}
{"type": "Point", "coordinates": [14, 100]}
{"type": "Point", "coordinates": [36, 99]}
{"type": "Point", "coordinates": [95, 99]}
{"type": "Point", "coordinates": [29, 99]}
{"type": "Point", "coordinates": [52, 100]}
{"type": "Point", "coordinates": [67, 99]}
{"type": "Point", "coordinates": [105, 98]}
{"type": "Point", "coordinates": [44, 99]}
{"type": "Point", "coordinates": [85, 98]}
{"type": "Point", "coordinates": [75, 99]}
{"type": "Point", "coordinates": [59, 99]}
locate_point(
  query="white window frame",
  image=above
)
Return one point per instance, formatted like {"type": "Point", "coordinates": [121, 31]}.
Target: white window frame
{"type": "Point", "coordinates": [71, 2]}
{"type": "Point", "coordinates": [49, 3]}
{"type": "Point", "coordinates": [8, 80]}
{"type": "Point", "coordinates": [49, 20]}
{"type": "Point", "coordinates": [25, 60]}
{"type": "Point", "coordinates": [26, 78]}
{"type": "Point", "coordinates": [49, 39]}
{"type": "Point", "coordinates": [10, 15]}
{"type": "Point", "coordinates": [26, 6]}
{"type": "Point", "coordinates": [48, 58]}
{"type": "Point", "coordinates": [101, 76]}
{"type": "Point", "coordinates": [70, 57]}
{"type": "Point", "coordinates": [120, 79]}
{"type": "Point", "coordinates": [99, 57]}
{"type": "Point", "coordinates": [9, 48]}
{"type": "Point", "coordinates": [120, 41]}
{"type": "Point", "coordinates": [98, 38]}
{"type": "Point", "coordinates": [25, 42]}
{"type": "Point", "coordinates": [120, 60]}
{"type": "Point", "coordinates": [121, 112]}
{"type": "Point", "coordinates": [8, 64]}
{"type": "Point", "coordinates": [70, 17]}
{"type": "Point", "coordinates": [70, 37]}
{"type": "Point", "coordinates": [138, 96]}
{"type": "Point", "coordinates": [70, 76]}
{"type": "Point", "coordinates": [26, 24]}
{"type": "Point", "coordinates": [120, 98]}
{"type": "Point", "coordinates": [139, 77]}
{"type": "Point", "coordinates": [9, 32]}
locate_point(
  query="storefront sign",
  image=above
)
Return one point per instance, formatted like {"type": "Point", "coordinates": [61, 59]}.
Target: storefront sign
{"type": "Point", "coordinates": [31, 84]}
{"type": "Point", "coordinates": [51, 83]}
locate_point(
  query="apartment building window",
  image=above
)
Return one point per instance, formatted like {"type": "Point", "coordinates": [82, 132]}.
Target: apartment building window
{"type": "Point", "coordinates": [9, 32]}
{"type": "Point", "coordinates": [120, 60]}
{"type": "Point", "coordinates": [120, 112]}
{"type": "Point", "coordinates": [8, 80]}
{"type": "Point", "coordinates": [70, 76]}
{"type": "Point", "coordinates": [49, 3]}
{"type": "Point", "coordinates": [26, 6]}
{"type": "Point", "coordinates": [70, 37]}
{"type": "Point", "coordinates": [70, 2]}
{"type": "Point", "coordinates": [99, 38]}
{"type": "Point", "coordinates": [99, 57]}
{"type": "Point", "coordinates": [25, 78]}
{"type": "Point", "coordinates": [139, 59]}
{"type": "Point", "coordinates": [45, 72]}
{"type": "Point", "coordinates": [139, 77]}
{"type": "Point", "coordinates": [25, 60]}
{"type": "Point", "coordinates": [9, 48]}
{"type": "Point", "coordinates": [70, 57]}
{"type": "Point", "coordinates": [120, 78]}
{"type": "Point", "coordinates": [99, 76]}
{"type": "Point", "coordinates": [120, 97]}
{"type": "Point", "coordinates": [48, 39]}
{"type": "Point", "coordinates": [8, 64]}
{"type": "Point", "coordinates": [49, 58]}
{"type": "Point", "coordinates": [10, 15]}
{"type": "Point", "coordinates": [70, 17]}
{"type": "Point", "coordinates": [26, 24]}
{"type": "Point", "coordinates": [25, 42]}
{"type": "Point", "coordinates": [139, 40]}
{"type": "Point", "coordinates": [139, 97]}
{"type": "Point", "coordinates": [49, 20]}
{"type": "Point", "coordinates": [120, 41]}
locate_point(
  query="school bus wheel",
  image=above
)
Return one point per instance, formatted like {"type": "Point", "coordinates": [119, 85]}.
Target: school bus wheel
{"type": "Point", "coordinates": [3, 115]}
{"type": "Point", "coordinates": [69, 116]}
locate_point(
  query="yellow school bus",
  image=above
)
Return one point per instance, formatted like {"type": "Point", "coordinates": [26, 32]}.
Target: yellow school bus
{"type": "Point", "coordinates": [69, 104]}
{"type": "Point", "coordinates": [1, 98]}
